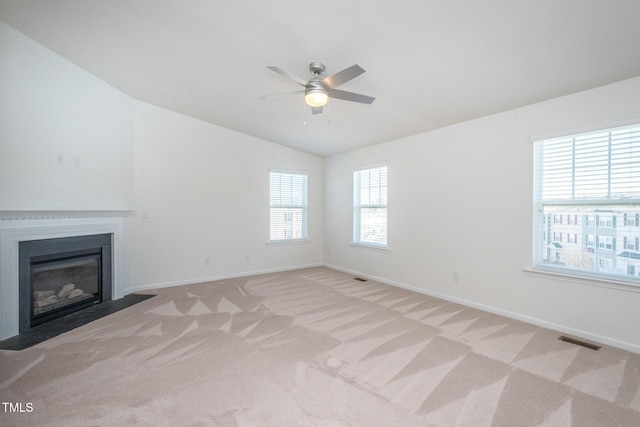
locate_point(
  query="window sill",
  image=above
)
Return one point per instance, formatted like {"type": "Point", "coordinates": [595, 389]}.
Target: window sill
{"type": "Point", "coordinates": [583, 280]}
{"type": "Point", "coordinates": [287, 242]}
{"type": "Point", "coordinates": [370, 246]}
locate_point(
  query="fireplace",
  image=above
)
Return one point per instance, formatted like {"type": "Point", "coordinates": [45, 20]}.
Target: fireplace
{"type": "Point", "coordinates": [61, 275]}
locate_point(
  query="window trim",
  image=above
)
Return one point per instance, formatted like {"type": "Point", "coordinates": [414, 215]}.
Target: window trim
{"type": "Point", "coordinates": [614, 281]}
{"type": "Point", "coordinates": [370, 246]}
{"type": "Point", "coordinates": [601, 282]}
{"type": "Point", "coordinates": [304, 208]}
{"type": "Point", "coordinates": [357, 207]}
{"type": "Point", "coordinates": [584, 128]}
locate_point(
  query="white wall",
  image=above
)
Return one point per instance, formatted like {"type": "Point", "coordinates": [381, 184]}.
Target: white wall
{"type": "Point", "coordinates": [68, 142]}
{"type": "Point", "coordinates": [202, 192]}
{"type": "Point", "coordinates": [66, 137]}
{"type": "Point", "coordinates": [460, 201]}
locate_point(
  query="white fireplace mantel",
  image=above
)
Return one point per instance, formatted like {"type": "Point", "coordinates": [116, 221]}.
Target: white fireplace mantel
{"type": "Point", "coordinates": [18, 226]}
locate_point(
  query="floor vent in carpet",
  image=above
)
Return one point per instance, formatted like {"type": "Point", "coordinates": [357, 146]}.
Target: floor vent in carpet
{"type": "Point", "coordinates": [359, 279]}
{"type": "Point", "coordinates": [580, 343]}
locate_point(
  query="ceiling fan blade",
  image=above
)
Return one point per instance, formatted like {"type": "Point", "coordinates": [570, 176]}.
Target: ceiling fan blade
{"type": "Point", "coordinates": [280, 95]}
{"type": "Point", "coordinates": [288, 75]}
{"type": "Point", "coordinates": [343, 76]}
{"type": "Point", "coordinates": [350, 96]}
{"type": "Point", "coordinates": [316, 110]}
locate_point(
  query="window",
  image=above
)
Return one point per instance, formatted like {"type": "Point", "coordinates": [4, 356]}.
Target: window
{"type": "Point", "coordinates": [631, 220]}
{"type": "Point", "coordinates": [606, 243]}
{"type": "Point", "coordinates": [370, 206]}
{"type": "Point", "coordinates": [605, 221]}
{"type": "Point", "coordinates": [288, 206]}
{"type": "Point", "coordinates": [595, 176]}
{"type": "Point", "coordinates": [631, 243]}
{"type": "Point", "coordinates": [605, 263]}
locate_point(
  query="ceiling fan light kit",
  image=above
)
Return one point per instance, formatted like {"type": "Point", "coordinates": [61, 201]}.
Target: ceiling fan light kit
{"type": "Point", "coordinates": [317, 91]}
{"type": "Point", "coordinates": [316, 97]}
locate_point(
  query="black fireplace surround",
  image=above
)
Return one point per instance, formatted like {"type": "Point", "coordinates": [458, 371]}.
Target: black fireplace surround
{"type": "Point", "coordinates": [62, 275]}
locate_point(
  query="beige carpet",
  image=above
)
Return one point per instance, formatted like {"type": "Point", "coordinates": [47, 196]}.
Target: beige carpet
{"type": "Point", "coordinates": [314, 347]}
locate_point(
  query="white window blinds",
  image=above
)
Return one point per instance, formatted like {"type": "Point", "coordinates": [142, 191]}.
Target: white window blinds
{"type": "Point", "coordinates": [586, 198]}
{"type": "Point", "coordinates": [370, 206]}
{"type": "Point", "coordinates": [598, 166]}
{"type": "Point", "coordinates": [288, 206]}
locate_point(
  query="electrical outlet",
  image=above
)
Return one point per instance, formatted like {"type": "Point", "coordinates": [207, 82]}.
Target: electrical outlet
{"type": "Point", "coordinates": [455, 277]}
{"type": "Point", "coordinates": [207, 262]}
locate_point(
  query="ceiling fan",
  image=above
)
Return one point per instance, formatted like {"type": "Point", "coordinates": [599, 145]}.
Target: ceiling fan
{"type": "Point", "coordinates": [317, 90]}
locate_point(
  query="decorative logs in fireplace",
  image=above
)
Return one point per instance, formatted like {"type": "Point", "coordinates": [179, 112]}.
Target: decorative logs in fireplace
{"type": "Point", "coordinates": [50, 299]}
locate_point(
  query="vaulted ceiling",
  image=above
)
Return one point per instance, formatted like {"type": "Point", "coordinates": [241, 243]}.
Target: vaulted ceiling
{"type": "Point", "coordinates": [429, 63]}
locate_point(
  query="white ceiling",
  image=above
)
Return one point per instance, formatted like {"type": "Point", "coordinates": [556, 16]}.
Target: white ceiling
{"type": "Point", "coordinates": [429, 63]}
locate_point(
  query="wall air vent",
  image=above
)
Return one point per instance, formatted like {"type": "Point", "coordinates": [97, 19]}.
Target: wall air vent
{"type": "Point", "coordinates": [580, 343]}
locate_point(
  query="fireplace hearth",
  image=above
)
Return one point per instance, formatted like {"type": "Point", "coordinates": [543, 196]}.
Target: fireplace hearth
{"type": "Point", "coordinates": [62, 275]}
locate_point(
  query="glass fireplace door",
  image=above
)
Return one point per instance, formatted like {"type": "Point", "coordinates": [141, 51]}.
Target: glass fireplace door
{"type": "Point", "coordinates": [64, 283]}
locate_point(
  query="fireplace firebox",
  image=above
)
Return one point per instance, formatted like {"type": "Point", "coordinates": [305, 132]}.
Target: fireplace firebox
{"type": "Point", "coordinates": [61, 275]}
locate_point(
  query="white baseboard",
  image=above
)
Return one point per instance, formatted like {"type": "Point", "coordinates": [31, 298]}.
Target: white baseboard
{"type": "Point", "coordinates": [159, 285]}
{"type": "Point", "coordinates": [512, 315]}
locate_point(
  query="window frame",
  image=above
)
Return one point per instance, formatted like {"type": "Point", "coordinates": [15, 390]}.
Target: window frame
{"type": "Point", "coordinates": [290, 209]}
{"type": "Point", "coordinates": [542, 227]}
{"type": "Point", "coordinates": [358, 206]}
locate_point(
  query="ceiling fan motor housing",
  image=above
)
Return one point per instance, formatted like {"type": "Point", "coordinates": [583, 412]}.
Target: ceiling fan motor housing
{"type": "Point", "coordinates": [317, 68]}
{"type": "Point", "coordinates": [316, 83]}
